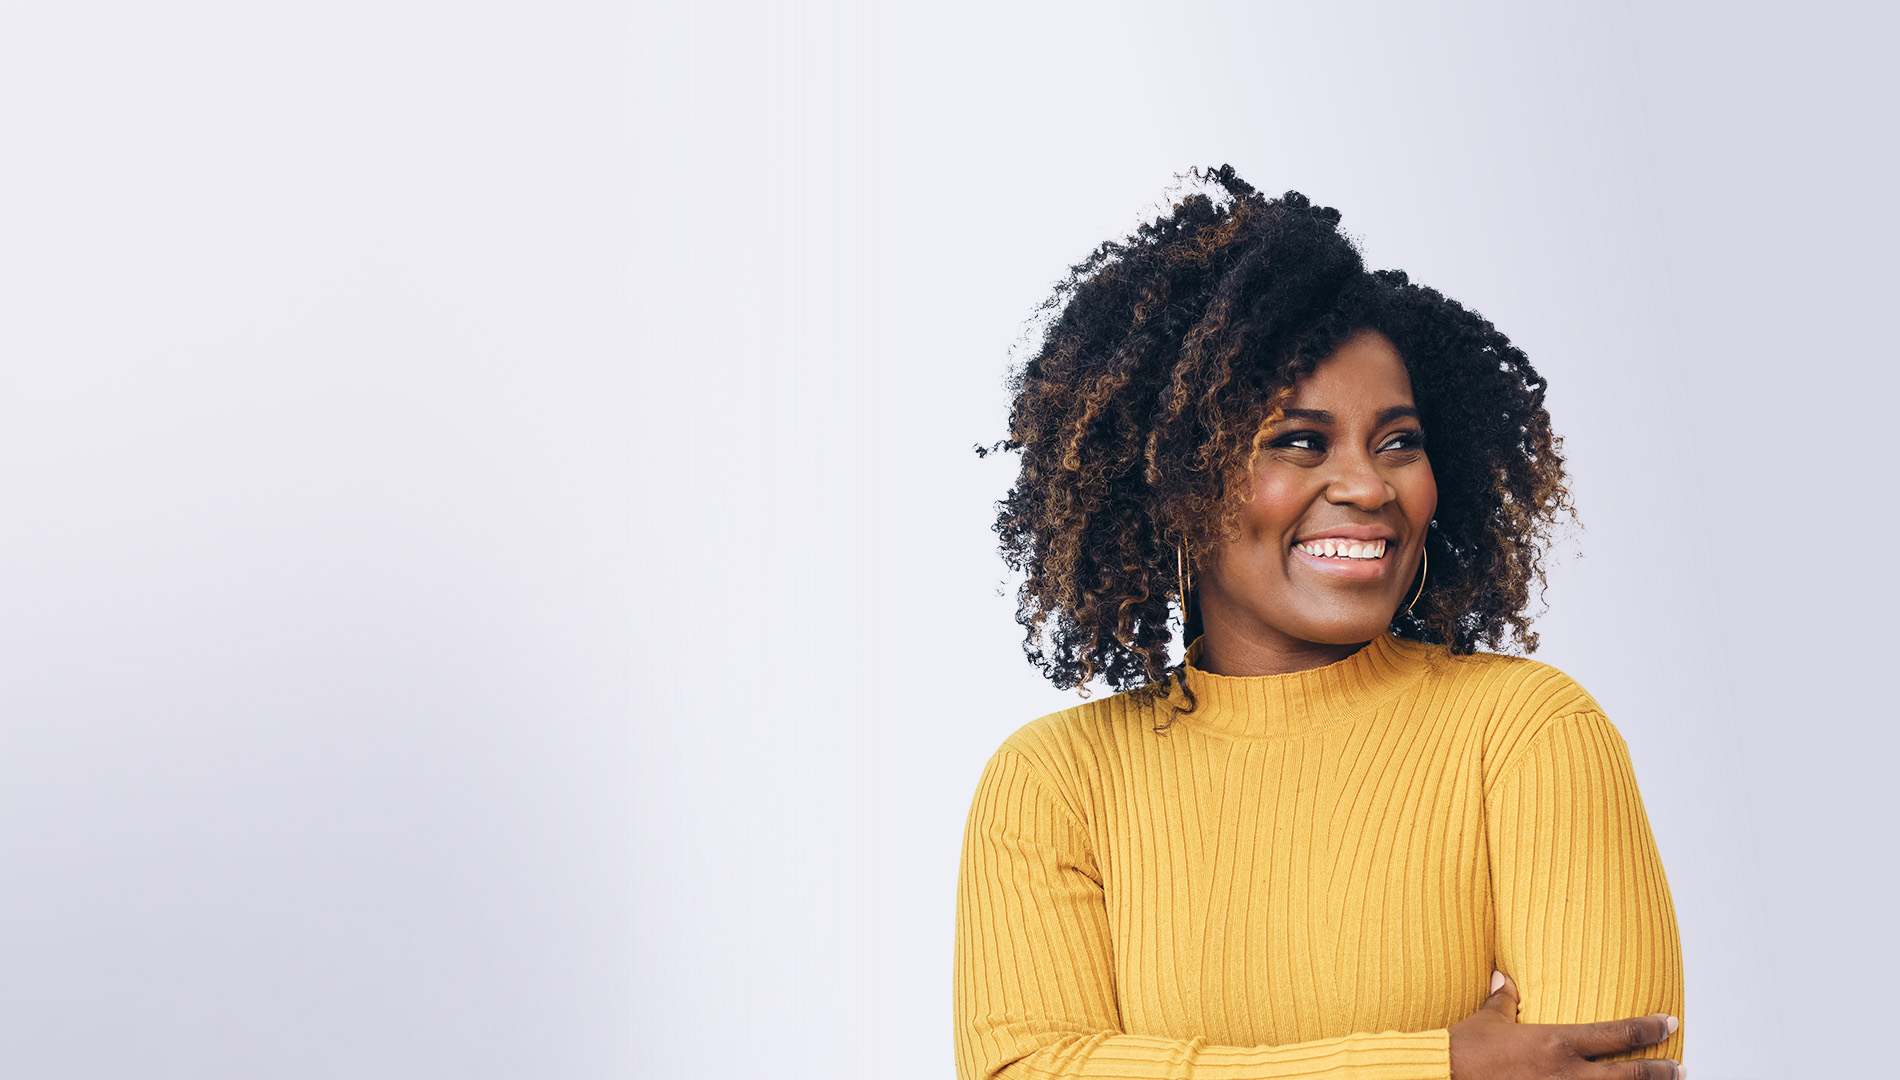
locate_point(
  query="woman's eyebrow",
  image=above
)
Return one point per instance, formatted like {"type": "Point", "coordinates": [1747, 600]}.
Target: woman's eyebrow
{"type": "Point", "coordinates": [1321, 416]}
{"type": "Point", "coordinates": [1317, 416]}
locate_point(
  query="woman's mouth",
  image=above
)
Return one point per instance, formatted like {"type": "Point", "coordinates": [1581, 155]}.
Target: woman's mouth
{"type": "Point", "coordinates": [1343, 549]}
{"type": "Point", "coordinates": [1344, 559]}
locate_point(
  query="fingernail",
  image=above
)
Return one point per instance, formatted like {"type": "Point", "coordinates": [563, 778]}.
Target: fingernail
{"type": "Point", "coordinates": [1682, 1071]}
{"type": "Point", "coordinates": [1497, 980]}
{"type": "Point", "coordinates": [1672, 1023]}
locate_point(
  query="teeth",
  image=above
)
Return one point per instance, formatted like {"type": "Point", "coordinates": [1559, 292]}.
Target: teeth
{"type": "Point", "coordinates": [1345, 549]}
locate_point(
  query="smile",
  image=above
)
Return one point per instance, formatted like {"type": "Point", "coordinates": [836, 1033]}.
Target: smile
{"type": "Point", "coordinates": [1344, 549]}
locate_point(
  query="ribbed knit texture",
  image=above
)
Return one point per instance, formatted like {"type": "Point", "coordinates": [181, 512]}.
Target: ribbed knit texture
{"type": "Point", "coordinates": [1310, 875]}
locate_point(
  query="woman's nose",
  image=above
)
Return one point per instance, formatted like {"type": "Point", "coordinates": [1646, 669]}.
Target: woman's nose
{"type": "Point", "coordinates": [1359, 483]}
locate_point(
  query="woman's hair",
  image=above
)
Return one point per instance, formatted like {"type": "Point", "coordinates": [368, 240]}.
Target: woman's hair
{"type": "Point", "coordinates": [1166, 357]}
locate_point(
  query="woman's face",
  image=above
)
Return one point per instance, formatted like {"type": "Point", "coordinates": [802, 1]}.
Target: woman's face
{"type": "Point", "coordinates": [1329, 544]}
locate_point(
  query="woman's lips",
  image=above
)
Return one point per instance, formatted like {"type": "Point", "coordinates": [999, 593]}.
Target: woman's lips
{"type": "Point", "coordinates": [1346, 568]}
{"type": "Point", "coordinates": [1345, 546]}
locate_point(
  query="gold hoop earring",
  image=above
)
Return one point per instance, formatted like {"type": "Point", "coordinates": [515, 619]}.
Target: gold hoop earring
{"type": "Point", "coordinates": [1424, 565]}
{"type": "Point", "coordinates": [1187, 582]}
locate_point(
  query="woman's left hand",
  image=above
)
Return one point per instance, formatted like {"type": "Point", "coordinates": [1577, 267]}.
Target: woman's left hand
{"type": "Point", "coordinates": [1491, 1045]}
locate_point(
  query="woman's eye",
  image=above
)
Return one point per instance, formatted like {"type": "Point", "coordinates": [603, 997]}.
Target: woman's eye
{"type": "Point", "coordinates": [1405, 440]}
{"type": "Point", "coordinates": [1301, 440]}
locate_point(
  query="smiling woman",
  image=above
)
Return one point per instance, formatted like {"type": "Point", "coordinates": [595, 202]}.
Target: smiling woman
{"type": "Point", "coordinates": [1333, 533]}
{"type": "Point", "coordinates": [1333, 838]}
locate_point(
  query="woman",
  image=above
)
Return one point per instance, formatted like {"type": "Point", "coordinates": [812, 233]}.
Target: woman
{"type": "Point", "coordinates": [1336, 839]}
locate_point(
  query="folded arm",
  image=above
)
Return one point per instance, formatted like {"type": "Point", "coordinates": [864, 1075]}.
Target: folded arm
{"type": "Point", "coordinates": [1585, 924]}
{"type": "Point", "coordinates": [1034, 981]}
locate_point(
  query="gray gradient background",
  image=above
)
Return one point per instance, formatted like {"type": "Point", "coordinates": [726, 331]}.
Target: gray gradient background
{"type": "Point", "coordinates": [494, 582]}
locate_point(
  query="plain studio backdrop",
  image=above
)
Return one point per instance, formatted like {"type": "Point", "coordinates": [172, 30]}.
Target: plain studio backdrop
{"type": "Point", "coordinates": [495, 582]}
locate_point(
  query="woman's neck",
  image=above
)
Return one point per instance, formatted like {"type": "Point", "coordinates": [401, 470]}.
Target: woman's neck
{"type": "Point", "coordinates": [1229, 655]}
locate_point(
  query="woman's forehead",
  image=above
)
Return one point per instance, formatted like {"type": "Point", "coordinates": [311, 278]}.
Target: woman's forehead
{"type": "Point", "coordinates": [1364, 375]}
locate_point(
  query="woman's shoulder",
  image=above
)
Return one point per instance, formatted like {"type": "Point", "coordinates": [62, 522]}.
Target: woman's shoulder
{"type": "Point", "coordinates": [1516, 683]}
{"type": "Point", "coordinates": [1513, 699]}
{"type": "Point", "coordinates": [1068, 747]}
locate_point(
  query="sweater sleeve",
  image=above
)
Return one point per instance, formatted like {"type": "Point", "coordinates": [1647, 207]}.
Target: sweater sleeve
{"type": "Point", "coordinates": [1034, 977]}
{"type": "Point", "coordinates": [1584, 922]}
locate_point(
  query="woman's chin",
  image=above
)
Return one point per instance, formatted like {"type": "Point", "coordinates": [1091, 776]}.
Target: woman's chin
{"type": "Point", "coordinates": [1349, 627]}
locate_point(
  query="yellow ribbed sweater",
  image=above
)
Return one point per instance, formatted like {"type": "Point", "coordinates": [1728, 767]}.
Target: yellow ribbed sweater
{"type": "Point", "coordinates": [1312, 875]}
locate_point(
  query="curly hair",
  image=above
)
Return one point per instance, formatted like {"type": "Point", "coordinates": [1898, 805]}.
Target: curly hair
{"type": "Point", "coordinates": [1166, 357]}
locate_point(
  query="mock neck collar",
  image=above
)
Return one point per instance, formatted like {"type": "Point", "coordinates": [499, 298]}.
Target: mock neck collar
{"type": "Point", "coordinates": [1271, 706]}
